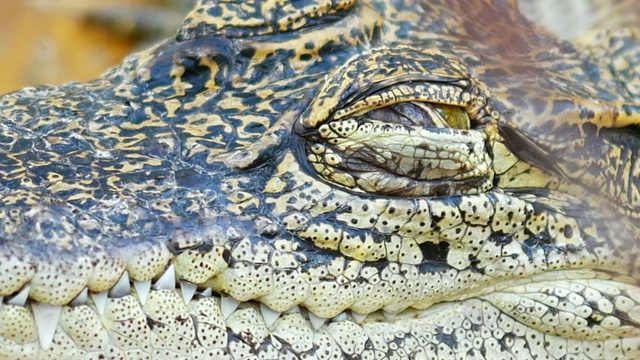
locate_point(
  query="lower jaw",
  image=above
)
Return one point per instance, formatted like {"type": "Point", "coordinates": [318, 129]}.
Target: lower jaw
{"type": "Point", "coordinates": [210, 326]}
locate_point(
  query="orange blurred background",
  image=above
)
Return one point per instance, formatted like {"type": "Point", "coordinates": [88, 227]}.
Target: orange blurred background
{"type": "Point", "coordinates": [55, 41]}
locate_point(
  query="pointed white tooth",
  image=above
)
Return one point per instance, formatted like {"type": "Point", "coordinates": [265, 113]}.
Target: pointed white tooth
{"type": "Point", "coordinates": [81, 299]}
{"type": "Point", "coordinates": [316, 321]}
{"type": "Point", "coordinates": [228, 305]}
{"type": "Point", "coordinates": [389, 316]}
{"type": "Point", "coordinates": [270, 316]}
{"type": "Point", "coordinates": [207, 292]}
{"type": "Point", "coordinates": [167, 281]}
{"type": "Point", "coordinates": [188, 290]}
{"type": "Point", "coordinates": [21, 298]}
{"type": "Point", "coordinates": [359, 318]}
{"type": "Point", "coordinates": [122, 287]}
{"type": "Point", "coordinates": [142, 288]}
{"type": "Point", "coordinates": [340, 317]}
{"type": "Point", "coordinates": [293, 310]}
{"type": "Point", "coordinates": [46, 317]}
{"type": "Point", "coordinates": [100, 300]}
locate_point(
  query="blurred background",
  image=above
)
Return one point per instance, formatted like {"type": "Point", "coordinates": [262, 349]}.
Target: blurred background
{"type": "Point", "coordinates": [55, 41]}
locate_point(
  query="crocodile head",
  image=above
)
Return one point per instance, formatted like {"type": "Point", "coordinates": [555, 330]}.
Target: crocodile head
{"type": "Point", "coordinates": [329, 179]}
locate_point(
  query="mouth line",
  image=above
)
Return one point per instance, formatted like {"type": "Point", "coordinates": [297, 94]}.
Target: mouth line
{"type": "Point", "coordinates": [46, 318]}
{"type": "Point", "coordinates": [169, 300]}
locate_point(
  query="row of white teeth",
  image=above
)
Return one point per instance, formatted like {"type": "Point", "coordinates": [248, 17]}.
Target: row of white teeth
{"type": "Point", "coordinates": [46, 316]}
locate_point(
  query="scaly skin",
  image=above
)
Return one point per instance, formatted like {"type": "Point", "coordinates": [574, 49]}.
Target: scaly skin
{"type": "Point", "coordinates": [365, 179]}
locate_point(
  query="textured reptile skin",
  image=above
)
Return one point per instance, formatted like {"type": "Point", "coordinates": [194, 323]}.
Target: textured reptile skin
{"type": "Point", "coordinates": [329, 179]}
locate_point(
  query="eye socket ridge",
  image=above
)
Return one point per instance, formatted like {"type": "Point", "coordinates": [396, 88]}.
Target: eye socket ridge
{"type": "Point", "coordinates": [442, 93]}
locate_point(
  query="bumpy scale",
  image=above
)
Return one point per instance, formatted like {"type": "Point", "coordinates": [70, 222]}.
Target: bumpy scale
{"type": "Point", "coordinates": [329, 179]}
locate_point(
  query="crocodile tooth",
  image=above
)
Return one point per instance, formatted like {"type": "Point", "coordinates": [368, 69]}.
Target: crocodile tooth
{"type": "Point", "coordinates": [316, 321]}
{"type": "Point", "coordinates": [20, 298]}
{"type": "Point", "coordinates": [228, 305]}
{"type": "Point", "coordinates": [188, 290]}
{"type": "Point", "coordinates": [167, 281]}
{"type": "Point", "coordinates": [1, 298]}
{"type": "Point", "coordinates": [142, 288]}
{"type": "Point", "coordinates": [340, 317]}
{"type": "Point", "coordinates": [81, 299]}
{"type": "Point", "coordinates": [100, 300]}
{"type": "Point", "coordinates": [359, 318]}
{"type": "Point", "coordinates": [207, 292]}
{"type": "Point", "coordinates": [389, 316]}
{"type": "Point", "coordinates": [46, 317]}
{"type": "Point", "coordinates": [293, 310]}
{"type": "Point", "coordinates": [270, 316]}
{"type": "Point", "coordinates": [122, 287]}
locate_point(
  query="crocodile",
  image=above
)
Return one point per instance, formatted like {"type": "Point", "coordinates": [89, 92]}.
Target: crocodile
{"type": "Point", "coordinates": [357, 179]}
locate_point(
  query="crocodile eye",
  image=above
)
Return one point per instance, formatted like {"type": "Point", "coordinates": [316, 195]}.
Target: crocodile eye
{"type": "Point", "coordinates": [423, 114]}
{"type": "Point", "coordinates": [401, 122]}
{"type": "Point", "coordinates": [455, 116]}
{"type": "Point", "coordinates": [401, 148]}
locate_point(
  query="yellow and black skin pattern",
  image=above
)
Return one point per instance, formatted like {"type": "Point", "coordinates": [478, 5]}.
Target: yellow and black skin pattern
{"type": "Point", "coordinates": [330, 179]}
